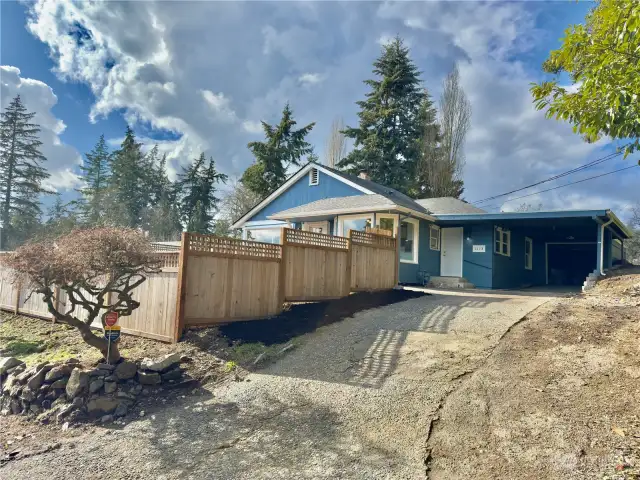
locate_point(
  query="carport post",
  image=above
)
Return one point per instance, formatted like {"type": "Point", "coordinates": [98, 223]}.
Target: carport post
{"type": "Point", "coordinates": [600, 257]}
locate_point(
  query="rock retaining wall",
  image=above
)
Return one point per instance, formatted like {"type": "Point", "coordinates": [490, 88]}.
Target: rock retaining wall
{"type": "Point", "coordinates": [69, 391]}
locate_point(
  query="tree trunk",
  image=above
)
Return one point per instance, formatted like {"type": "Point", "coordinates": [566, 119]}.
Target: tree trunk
{"type": "Point", "coordinates": [97, 342]}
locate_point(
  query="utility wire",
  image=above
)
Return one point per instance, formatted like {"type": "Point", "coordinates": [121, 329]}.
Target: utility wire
{"type": "Point", "coordinates": [555, 177]}
{"type": "Point", "coordinates": [565, 185]}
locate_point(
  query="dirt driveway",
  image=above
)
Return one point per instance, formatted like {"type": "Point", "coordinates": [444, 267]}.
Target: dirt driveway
{"type": "Point", "coordinates": [355, 400]}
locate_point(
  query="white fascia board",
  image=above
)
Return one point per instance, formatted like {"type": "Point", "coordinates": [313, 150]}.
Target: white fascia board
{"type": "Point", "coordinates": [303, 171]}
{"type": "Point", "coordinates": [363, 210]}
{"type": "Point", "coordinates": [344, 180]}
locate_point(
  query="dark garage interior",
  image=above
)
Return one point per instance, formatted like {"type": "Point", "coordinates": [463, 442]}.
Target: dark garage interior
{"type": "Point", "coordinates": [569, 264]}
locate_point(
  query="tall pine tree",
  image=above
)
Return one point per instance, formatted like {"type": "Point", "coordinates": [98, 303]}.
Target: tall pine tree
{"type": "Point", "coordinates": [129, 188]}
{"type": "Point", "coordinates": [283, 146]}
{"type": "Point", "coordinates": [21, 174]}
{"type": "Point", "coordinates": [197, 189]}
{"type": "Point", "coordinates": [95, 173]}
{"type": "Point", "coordinates": [162, 218]}
{"type": "Point", "coordinates": [387, 140]}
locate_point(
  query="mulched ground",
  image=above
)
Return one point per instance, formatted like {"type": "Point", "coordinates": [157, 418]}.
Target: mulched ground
{"type": "Point", "coordinates": [300, 318]}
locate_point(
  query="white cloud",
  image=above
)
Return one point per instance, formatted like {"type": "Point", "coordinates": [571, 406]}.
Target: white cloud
{"type": "Point", "coordinates": [220, 104]}
{"type": "Point", "coordinates": [310, 78]}
{"type": "Point", "coordinates": [38, 97]}
{"type": "Point", "coordinates": [252, 126]}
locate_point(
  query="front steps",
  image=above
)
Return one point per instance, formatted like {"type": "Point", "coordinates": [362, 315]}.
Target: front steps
{"type": "Point", "coordinates": [450, 282]}
{"type": "Point", "coordinates": [590, 281]}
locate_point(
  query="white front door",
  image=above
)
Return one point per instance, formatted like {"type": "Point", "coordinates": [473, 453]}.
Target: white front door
{"type": "Point", "coordinates": [451, 252]}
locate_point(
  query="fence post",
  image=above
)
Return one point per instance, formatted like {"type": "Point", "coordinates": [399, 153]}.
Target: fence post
{"type": "Point", "coordinates": [283, 266]}
{"type": "Point", "coordinates": [16, 310]}
{"type": "Point", "coordinates": [183, 260]}
{"type": "Point", "coordinates": [397, 276]}
{"type": "Point", "coordinates": [349, 262]}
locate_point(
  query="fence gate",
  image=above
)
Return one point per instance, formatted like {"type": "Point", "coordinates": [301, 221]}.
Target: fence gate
{"type": "Point", "coordinates": [374, 261]}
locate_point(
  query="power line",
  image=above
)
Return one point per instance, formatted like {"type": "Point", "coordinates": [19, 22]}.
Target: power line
{"type": "Point", "coordinates": [555, 177]}
{"type": "Point", "coordinates": [565, 185]}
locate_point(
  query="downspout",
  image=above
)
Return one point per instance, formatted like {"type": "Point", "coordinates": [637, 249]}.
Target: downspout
{"type": "Point", "coordinates": [601, 246]}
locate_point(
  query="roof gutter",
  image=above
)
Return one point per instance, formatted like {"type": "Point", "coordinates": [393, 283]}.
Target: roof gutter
{"type": "Point", "coordinates": [602, 226]}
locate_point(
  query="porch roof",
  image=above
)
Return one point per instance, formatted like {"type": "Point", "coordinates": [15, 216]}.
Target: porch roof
{"type": "Point", "coordinates": [549, 218]}
{"type": "Point", "coordinates": [348, 205]}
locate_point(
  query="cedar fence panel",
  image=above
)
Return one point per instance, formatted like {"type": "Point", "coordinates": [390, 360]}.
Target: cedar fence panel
{"type": "Point", "coordinates": [373, 261]}
{"type": "Point", "coordinates": [315, 266]}
{"type": "Point", "coordinates": [154, 318]}
{"type": "Point", "coordinates": [227, 280]}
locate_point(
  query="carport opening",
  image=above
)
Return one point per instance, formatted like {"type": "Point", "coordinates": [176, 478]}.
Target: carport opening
{"type": "Point", "coordinates": [570, 263]}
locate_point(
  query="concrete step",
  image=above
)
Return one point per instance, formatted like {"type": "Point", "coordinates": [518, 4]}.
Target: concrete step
{"type": "Point", "coordinates": [450, 282]}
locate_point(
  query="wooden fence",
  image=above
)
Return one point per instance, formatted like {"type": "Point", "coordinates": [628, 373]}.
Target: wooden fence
{"type": "Point", "coordinates": [223, 279]}
{"type": "Point", "coordinates": [373, 261]}
{"type": "Point", "coordinates": [315, 266]}
{"type": "Point", "coordinates": [155, 318]}
{"type": "Point", "coordinates": [213, 280]}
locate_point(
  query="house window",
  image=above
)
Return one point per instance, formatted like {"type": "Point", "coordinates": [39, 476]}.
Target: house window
{"type": "Point", "coordinates": [266, 235]}
{"type": "Point", "coordinates": [528, 253]}
{"type": "Point", "coordinates": [387, 223]}
{"type": "Point", "coordinates": [354, 222]}
{"type": "Point", "coordinates": [314, 176]}
{"type": "Point", "coordinates": [434, 237]}
{"type": "Point", "coordinates": [503, 242]}
{"type": "Point", "coordinates": [409, 241]}
{"type": "Point", "coordinates": [317, 227]}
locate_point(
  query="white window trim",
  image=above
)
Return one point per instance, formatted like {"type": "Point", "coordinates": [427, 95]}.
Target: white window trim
{"type": "Point", "coordinates": [501, 231]}
{"type": "Point", "coordinates": [307, 226]}
{"type": "Point", "coordinates": [389, 216]}
{"type": "Point", "coordinates": [437, 229]}
{"type": "Point", "coordinates": [529, 265]}
{"type": "Point", "coordinates": [263, 227]}
{"type": "Point", "coordinates": [342, 218]}
{"type": "Point", "coordinates": [311, 182]}
{"type": "Point", "coordinates": [416, 240]}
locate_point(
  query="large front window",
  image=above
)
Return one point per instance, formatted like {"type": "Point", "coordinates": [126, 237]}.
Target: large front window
{"type": "Point", "coordinates": [359, 223]}
{"type": "Point", "coordinates": [409, 241]}
{"type": "Point", "coordinates": [266, 235]}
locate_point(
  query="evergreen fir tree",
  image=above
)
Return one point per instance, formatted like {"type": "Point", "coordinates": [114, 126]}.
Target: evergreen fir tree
{"type": "Point", "coordinates": [21, 174]}
{"type": "Point", "coordinates": [197, 190]}
{"type": "Point", "coordinates": [62, 218]}
{"type": "Point", "coordinates": [162, 218]}
{"type": "Point", "coordinates": [95, 173]}
{"type": "Point", "coordinates": [283, 146]}
{"type": "Point", "coordinates": [387, 138]}
{"type": "Point", "coordinates": [128, 183]}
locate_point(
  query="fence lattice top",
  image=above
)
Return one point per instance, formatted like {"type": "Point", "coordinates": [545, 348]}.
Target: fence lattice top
{"type": "Point", "coordinates": [315, 239]}
{"type": "Point", "coordinates": [371, 239]}
{"type": "Point", "coordinates": [168, 259]}
{"type": "Point", "coordinates": [210, 244]}
{"type": "Point", "coordinates": [379, 231]}
{"type": "Point", "coordinates": [163, 247]}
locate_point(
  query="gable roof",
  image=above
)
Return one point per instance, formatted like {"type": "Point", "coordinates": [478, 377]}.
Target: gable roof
{"type": "Point", "coordinates": [345, 205]}
{"type": "Point", "coordinates": [448, 206]}
{"type": "Point", "coordinates": [395, 196]}
{"type": "Point", "coordinates": [288, 183]}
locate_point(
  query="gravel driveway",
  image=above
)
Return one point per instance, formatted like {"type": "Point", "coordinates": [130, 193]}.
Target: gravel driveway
{"type": "Point", "coordinates": [355, 401]}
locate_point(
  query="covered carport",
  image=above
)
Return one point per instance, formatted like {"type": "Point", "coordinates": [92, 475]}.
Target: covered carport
{"type": "Point", "coordinates": [558, 248]}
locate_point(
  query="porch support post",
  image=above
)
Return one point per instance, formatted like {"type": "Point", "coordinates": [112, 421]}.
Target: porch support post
{"type": "Point", "coordinates": [600, 255]}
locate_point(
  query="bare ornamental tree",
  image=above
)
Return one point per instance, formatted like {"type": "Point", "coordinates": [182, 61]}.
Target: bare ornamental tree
{"type": "Point", "coordinates": [98, 270]}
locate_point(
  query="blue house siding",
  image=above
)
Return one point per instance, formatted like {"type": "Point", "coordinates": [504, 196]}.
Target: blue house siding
{"type": "Point", "coordinates": [301, 192]}
{"type": "Point", "coordinates": [478, 267]}
{"type": "Point", "coordinates": [428, 260]}
{"type": "Point", "coordinates": [510, 272]}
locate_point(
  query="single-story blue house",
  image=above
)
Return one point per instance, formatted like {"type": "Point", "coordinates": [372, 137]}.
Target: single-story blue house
{"type": "Point", "coordinates": [445, 237]}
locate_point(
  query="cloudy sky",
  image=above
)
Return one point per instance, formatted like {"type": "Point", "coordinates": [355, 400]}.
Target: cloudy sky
{"type": "Point", "coordinates": [194, 76]}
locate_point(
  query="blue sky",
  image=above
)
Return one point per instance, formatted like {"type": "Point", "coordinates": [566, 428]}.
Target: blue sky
{"type": "Point", "coordinates": [194, 76]}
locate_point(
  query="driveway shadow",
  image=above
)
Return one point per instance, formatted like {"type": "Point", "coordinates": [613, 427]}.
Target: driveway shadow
{"type": "Point", "coordinates": [364, 350]}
